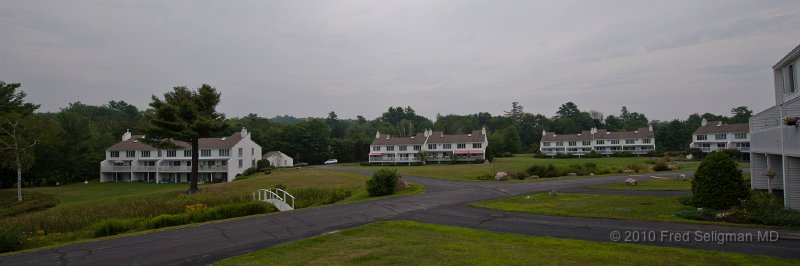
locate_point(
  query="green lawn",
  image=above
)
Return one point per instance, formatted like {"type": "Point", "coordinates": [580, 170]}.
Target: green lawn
{"type": "Point", "coordinates": [652, 184]}
{"type": "Point", "coordinates": [96, 191]}
{"type": "Point", "coordinates": [470, 172]}
{"type": "Point", "coordinates": [402, 243]}
{"type": "Point", "coordinates": [659, 184]}
{"type": "Point", "coordinates": [78, 206]}
{"type": "Point", "coordinates": [650, 208]}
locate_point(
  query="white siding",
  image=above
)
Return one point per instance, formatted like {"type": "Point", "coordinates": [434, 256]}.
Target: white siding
{"type": "Point", "coordinates": [792, 191]}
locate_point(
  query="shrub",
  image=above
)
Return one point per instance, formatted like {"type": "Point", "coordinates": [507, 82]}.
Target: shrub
{"type": "Point", "coordinates": [543, 171]}
{"type": "Point", "coordinates": [280, 186]}
{"type": "Point", "coordinates": [564, 156]}
{"type": "Point", "coordinates": [635, 168]}
{"type": "Point", "coordinates": [661, 166]}
{"type": "Point", "coordinates": [520, 175]}
{"type": "Point", "coordinates": [31, 202]}
{"type": "Point", "coordinates": [593, 154]}
{"type": "Point", "coordinates": [733, 153]}
{"type": "Point", "coordinates": [767, 209]}
{"type": "Point", "coordinates": [11, 240]}
{"type": "Point", "coordinates": [590, 167]}
{"type": "Point", "coordinates": [717, 184]}
{"type": "Point", "coordinates": [262, 165]}
{"type": "Point", "coordinates": [249, 171]}
{"type": "Point", "coordinates": [167, 220]}
{"type": "Point", "coordinates": [115, 226]}
{"type": "Point", "coordinates": [312, 196]}
{"type": "Point", "coordinates": [577, 169]}
{"type": "Point", "coordinates": [624, 154]}
{"type": "Point", "coordinates": [383, 182]}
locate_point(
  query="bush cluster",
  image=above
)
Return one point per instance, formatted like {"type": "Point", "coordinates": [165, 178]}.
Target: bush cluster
{"type": "Point", "coordinates": [313, 196]}
{"type": "Point", "coordinates": [118, 226]}
{"type": "Point", "coordinates": [548, 170]}
{"type": "Point", "coordinates": [661, 166]}
{"type": "Point", "coordinates": [262, 165]}
{"type": "Point", "coordinates": [717, 184]}
{"type": "Point", "coordinates": [383, 182]}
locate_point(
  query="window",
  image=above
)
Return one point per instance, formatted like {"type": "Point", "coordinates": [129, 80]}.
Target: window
{"type": "Point", "coordinates": [241, 162]}
{"type": "Point", "coordinates": [159, 153]}
{"type": "Point", "coordinates": [477, 145]}
{"type": "Point", "coordinates": [417, 147]}
{"type": "Point", "coordinates": [720, 145]}
{"type": "Point", "coordinates": [114, 154]}
{"type": "Point", "coordinates": [205, 153]}
{"type": "Point", "coordinates": [721, 136]}
{"type": "Point", "coordinates": [187, 153]}
{"type": "Point", "coordinates": [389, 148]}
{"type": "Point", "coordinates": [740, 135]}
{"type": "Point", "coordinates": [376, 148]}
{"type": "Point", "coordinates": [431, 146]}
{"type": "Point", "coordinates": [587, 143]}
{"type": "Point", "coordinates": [403, 148]}
{"type": "Point", "coordinates": [573, 143]}
{"type": "Point", "coordinates": [702, 137]}
{"type": "Point", "coordinates": [646, 141]}
{"type": "Point", "coordinates": [172, 153]}
{"type": "Point", "coordinates": [630, 141]}
{"type": "Point", "coordinates": [546, 144]}
{"type": "Point", "coordinates": [614, 141]}
{"type": "Point", "coordinates": [224, 152]}
{"type": "Point", "coordinates": [145, 154]}
{"type": "Point", "coordinates": [130, 154]}
{"type": "Point", "coordinates": [559, 143]}
{"type": "Point", "coordinates": [461, 146]}
{"type": "Point", "coordinates": [791, 78]}
{"type": "Point", "coordinates": [447, 146]}
{"type": "Point", "coordinates": [601, 142]}
{"type": "Point", "coordinates": [241, 152]}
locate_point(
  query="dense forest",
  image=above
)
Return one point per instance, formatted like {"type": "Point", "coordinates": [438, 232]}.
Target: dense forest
{"type": "Point", "coordinates": [68, 145]}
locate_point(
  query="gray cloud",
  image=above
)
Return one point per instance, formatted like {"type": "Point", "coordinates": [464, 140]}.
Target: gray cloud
{"type": "Point", "coordinates": [304, 58]}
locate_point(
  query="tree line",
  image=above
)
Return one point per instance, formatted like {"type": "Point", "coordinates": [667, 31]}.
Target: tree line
{"type": "Point", "coordinates": [71, 142]}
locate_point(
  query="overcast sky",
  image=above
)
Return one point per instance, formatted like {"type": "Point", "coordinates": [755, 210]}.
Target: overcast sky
{"type": "Point", "coordinates": [666, 59]}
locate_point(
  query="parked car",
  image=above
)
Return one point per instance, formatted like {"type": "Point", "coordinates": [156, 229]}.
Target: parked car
{"type": "Point", "coordinates": [332, 161]}
{"type": "Point", "coordinates": [300, 164]}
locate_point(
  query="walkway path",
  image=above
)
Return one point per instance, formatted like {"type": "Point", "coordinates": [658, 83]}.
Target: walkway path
{"type": "Point", "coordinates": [203, 244]}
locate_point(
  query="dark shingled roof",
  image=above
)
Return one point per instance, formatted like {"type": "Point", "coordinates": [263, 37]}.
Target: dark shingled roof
{"type": "Point", "coordinates": [385, 139]}
{"type": "Point", "coordinates": [438, 137]}
{"type": "Point", "coordinates": [134, 143]}
{"type": "Point", "coordinates": [714, 127]}
{"type": "Point", "coordinates": [642, 133]}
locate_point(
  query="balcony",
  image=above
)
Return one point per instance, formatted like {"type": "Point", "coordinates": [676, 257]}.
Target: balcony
{"type": "Point", "coordinates": [768, 140]}
{"type": "Point", "coordinates": [165, 169]}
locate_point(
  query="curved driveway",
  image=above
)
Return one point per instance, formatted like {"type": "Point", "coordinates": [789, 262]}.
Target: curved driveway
{"type": "Point", "coordinates": [442, 203]}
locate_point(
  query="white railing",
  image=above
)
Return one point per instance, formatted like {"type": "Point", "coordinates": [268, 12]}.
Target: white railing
{"type": "Point", "coordinates": [162, 168]}
{"type": "Point", "coordinates": [273, 194]}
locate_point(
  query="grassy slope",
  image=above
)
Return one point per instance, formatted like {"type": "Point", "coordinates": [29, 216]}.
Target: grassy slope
{"type": "Point", "coordinates": [654, 184]}
{"type": "Point", "coordinates": [401, 243]}
{"type": "Point", "coordinates": [510, 165]}
{"type": "Point", "coordinates": [84, 204]}
{"type": "Point", "coordinates": [652, 208]}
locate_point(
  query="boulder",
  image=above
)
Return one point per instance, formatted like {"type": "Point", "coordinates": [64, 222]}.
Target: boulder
{"type": "Point", "coordinates": [501, 176]}
{"type": "Point", "coordinates": [534, 176]}
{"type": "Point", "coordinates": [485, 161]}
{"type": "Point", "coordinates": [628, 171]}
{"type": "Point", "coordinates": [553, 193]}
{"type": "Point", "coordinates": [401, 185]}
{"type": "Point", "coordinates": [572, 174]}
{"type": "Point", "coordinates": [681, 177]}
{"type": "Point", "coordinates": [630, 182]}
{"type": "Point", "coordinates": [591, 174]}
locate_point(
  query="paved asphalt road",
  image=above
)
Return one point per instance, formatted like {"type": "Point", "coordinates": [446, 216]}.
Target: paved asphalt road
{"type": "Point", "coordinates": [442, 203]}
